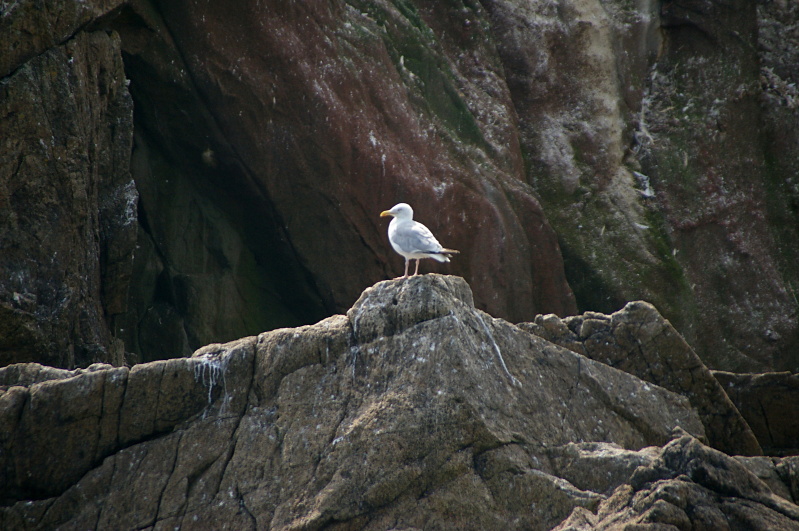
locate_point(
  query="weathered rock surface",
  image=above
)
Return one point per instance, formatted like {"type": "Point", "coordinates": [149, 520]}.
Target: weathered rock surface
{"type": "Point", "coordinates": [648, 166]}
{"type": "Point", "coordinates": [689, 486]}
{"type": "Point", "coordinates": [716, 189]}
{"type": "Point", "coordinates": [413, 410]}
{"type": "Point", "coordinates": [778, 44]}
{"type": "Point", "coordinates": [770, 404]}
{"type": "Point", "coordinates": [780, 474]}
{"type": "Point", "coordinates": [637, 340]}
{"type": "Point", "coordinates": [577, 100]}
{"type": "Point", "coordinates": [67, 203]}
{"type": "Point", "coordinates": [29, 30]}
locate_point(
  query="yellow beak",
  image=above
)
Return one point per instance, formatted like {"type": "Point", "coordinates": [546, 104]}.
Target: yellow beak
{"type": "Point", "coordinates": [385, 213]}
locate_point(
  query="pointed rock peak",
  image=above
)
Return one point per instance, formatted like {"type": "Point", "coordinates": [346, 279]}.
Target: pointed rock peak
{"type": "Point", "coordinates": [391, 306]}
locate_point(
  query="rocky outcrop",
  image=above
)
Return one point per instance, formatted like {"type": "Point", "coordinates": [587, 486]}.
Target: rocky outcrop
{"type": "Point", "coordinates": [781, 474]}
{"type": "Point", "coordinates": [689, 486]}
{"type": "Point", "coordinates": [414, 409]}
{"type": "Point", "coordinates": [637, 340]}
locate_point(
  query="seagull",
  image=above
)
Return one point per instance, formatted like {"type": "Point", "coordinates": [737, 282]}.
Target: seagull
{"type": "Point", "coordinates": [411, 239]}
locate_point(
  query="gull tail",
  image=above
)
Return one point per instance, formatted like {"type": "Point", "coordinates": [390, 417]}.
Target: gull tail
{"type": "Point", "coordinates": [443, 255]}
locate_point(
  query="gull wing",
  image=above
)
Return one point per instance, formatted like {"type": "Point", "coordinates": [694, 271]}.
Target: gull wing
{"type": "Point", "coordinates": [415, 237]}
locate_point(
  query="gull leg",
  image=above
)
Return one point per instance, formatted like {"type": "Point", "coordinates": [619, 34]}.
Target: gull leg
{"type": "Point", "coordinates": [417, 267]}
{"type": "Point", "coordinates": [406, 272]}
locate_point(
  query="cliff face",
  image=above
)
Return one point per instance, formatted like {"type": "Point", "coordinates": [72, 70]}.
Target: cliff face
{"type": "Point", "coordinates": [413, 410]}
{"type": "Point", "coordinates": [652, 133]}
{"type": "Point", "coordinates": [67, 203]}
{"type": "Point", "coordinates": [579, 155]}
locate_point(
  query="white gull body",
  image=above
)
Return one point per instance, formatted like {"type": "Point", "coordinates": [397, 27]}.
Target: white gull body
{"type": "Point", "coordinates": [411, 239]}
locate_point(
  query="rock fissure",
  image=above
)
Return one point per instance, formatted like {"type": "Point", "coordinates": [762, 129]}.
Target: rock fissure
{"type": "Point", "coordinates": [571, 392]}
{"type": "Point", "coordinates": [498, 351]}
{"type": "Point", "coordinates": [247, 512]}
{"type": "Point", "coordinates": [48, 504]}
{"type": "Point", "coordinates": [764, 415]}
{"type": "Point", "coordinates": [117, 442]}
{"type": "Point", "coordinates": [168, 475]}
{"type": "Point", "coordinates": [95, 448]}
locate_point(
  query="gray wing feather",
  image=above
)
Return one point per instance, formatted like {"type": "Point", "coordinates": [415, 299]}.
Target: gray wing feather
{"type": "Point", "coordinates": [416, 238]}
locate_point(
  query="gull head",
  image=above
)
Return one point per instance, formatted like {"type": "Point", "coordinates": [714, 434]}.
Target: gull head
{"type": "Point", "coordinates": [400, 211]}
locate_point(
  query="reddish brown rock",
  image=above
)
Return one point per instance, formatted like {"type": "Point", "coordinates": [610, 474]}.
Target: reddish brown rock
{"type": "Point", "coordinates": [283, 119]}
{"type": "Point", "coordinates": [269, 135]}
{"type": "Point", "coordinates": [319, 117]}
